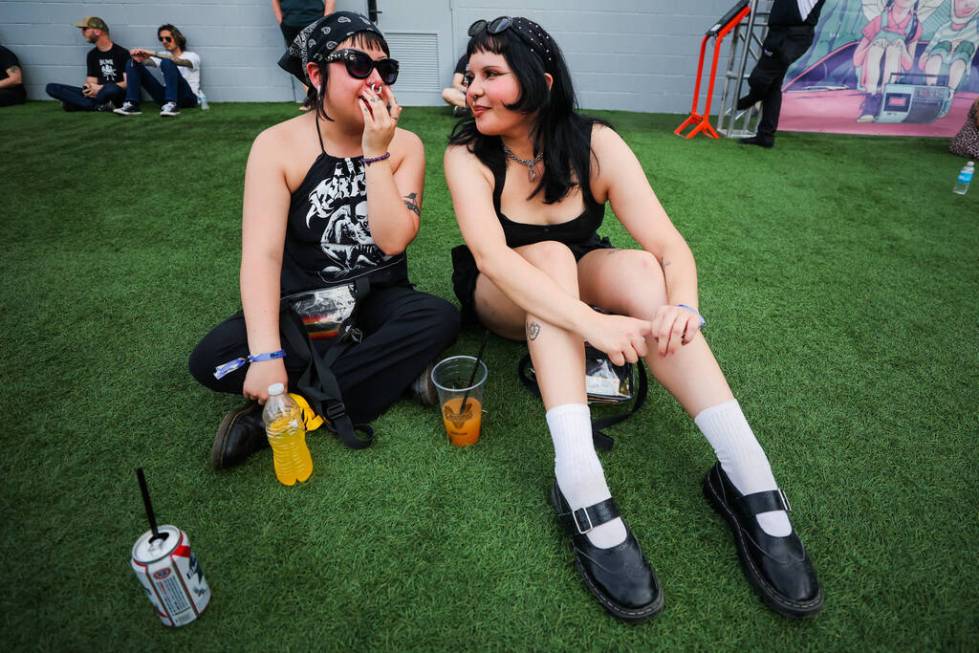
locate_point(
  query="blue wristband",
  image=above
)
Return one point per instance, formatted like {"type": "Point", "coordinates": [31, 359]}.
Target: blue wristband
{"type": "Point", "coordinates": [268, 356]}
{"type": "Point", "coordinates": [225, 369]}
{"type": "Point", "coordinates": [693, 310]}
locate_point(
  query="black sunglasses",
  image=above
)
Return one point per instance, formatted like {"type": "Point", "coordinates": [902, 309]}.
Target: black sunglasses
{"type": "Point", "coordinates": [495, 26]}
{"type": "Point", "coordinates": [166, 39]}
{"type": "Point", "coordinates": [359, 65]}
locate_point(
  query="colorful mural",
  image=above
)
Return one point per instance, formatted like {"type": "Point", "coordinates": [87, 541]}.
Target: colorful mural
{"type": "Point", "coordinates": [886, 67]}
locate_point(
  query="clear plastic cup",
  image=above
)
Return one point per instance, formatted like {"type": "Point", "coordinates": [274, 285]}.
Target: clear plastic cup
{"type": "Point", "coordinates": [452, 380]}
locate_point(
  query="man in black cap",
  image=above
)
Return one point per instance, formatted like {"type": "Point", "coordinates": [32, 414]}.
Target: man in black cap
{"type": "Point", "coordinates": [791, 28]}
{"type": "Point", "coordinates": [105, 80]}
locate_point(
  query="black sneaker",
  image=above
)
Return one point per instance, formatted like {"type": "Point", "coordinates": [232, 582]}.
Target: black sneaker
{"type": "Point", "coordinates": [240, 434]}
{"type": "Point", "coordinates": [128, 109]}
{"type": "Point", "coordinates": [760, 141]}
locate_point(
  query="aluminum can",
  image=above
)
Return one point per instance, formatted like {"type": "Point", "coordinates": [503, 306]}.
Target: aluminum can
{"type": "Point", "coordinates": [171, 576]}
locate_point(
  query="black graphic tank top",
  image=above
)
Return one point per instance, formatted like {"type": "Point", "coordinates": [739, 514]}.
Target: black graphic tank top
{"type": "Point", "coordinates": [328, 240]}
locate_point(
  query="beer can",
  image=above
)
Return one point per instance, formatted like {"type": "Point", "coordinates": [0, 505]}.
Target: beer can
{"type": "Point", "coordinates": [171, 576]}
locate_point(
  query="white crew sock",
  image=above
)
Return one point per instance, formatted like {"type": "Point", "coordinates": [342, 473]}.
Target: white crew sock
{"type": "Point", "coordinates": [578, 470]}
{"type": "Point", "coordinates": [742, 458]}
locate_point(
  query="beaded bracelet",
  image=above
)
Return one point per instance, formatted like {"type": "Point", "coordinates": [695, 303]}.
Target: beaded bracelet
{"type": "Point", "coordinates": [225, 369]}
{"type": "Point", "coordinates": [374, 159]}
{"type": "Point", "coordinates": [693, 310]}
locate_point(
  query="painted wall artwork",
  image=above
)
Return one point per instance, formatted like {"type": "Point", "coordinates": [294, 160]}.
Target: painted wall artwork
{"type": "Point", "coordinates": [887, 67]}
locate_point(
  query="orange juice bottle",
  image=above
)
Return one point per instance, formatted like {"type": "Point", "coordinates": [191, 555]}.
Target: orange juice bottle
{"type": "Point", "coordinates": [462, 425]}
{"type": "Point", "coordinates": [284, 427]}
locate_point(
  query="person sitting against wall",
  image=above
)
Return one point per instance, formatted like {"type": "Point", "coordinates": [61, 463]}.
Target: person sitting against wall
{"type": "Point", "coordinates": [105, 81]}
{"type": "Point", "coordinates": [181, 70]}
{"type": "Point", "coordinates": [966, 142]}
{"type": "Point", "coordinates": [11, 79]}
{"type": "Point", "coordinates": [530, 179]}
{"type": "Point", "coordinates": [455, 95]}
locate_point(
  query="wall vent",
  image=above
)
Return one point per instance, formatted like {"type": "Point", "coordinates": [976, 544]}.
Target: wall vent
{"type": "Point", "coordinates": [418, 54]}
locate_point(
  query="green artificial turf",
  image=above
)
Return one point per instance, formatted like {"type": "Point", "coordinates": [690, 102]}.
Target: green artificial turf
{"type": "Point", "coordinates": [839, 275]}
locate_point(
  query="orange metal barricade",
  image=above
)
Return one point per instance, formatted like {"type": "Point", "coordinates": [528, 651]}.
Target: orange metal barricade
{"type": "Point", "coordinates": [701, 121]}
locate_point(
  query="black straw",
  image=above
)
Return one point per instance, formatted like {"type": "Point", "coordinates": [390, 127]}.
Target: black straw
{"type": "Point", "coordinates": [472, 377]}
{"type": "Point", "coordinates": [150, 515]}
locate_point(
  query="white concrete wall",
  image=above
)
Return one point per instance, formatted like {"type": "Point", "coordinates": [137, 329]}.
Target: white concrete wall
{"type": "Point", "coordinates": [623, 54]}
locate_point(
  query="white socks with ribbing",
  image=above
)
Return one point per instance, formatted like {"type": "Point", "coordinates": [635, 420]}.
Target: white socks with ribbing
{"type": "Point", "coordinates": [578, 470]}
{"type": "Point", "coordinates": [742, 458]}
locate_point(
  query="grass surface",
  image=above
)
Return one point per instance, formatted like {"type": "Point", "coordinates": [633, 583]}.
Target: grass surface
{"type": "Point", "coordinates": [839, 275]}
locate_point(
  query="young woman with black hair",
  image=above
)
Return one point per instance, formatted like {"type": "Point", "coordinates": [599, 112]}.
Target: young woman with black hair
{"type": "Point", "coordinates": [331, 196]}
{"type": "Point", "coordinates": [530, 178]}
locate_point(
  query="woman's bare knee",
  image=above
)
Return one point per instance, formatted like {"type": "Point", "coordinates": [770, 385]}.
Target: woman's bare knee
{"type": "Point", "coordinates": [549, 255]}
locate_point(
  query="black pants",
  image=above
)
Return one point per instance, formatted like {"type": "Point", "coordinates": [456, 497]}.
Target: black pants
{"type": "Point", "coordinates": [12, 96]}
{"type": "Point", "coordinates": [781, 48]}
{"type": "Point", "coordinates": [404, 330]}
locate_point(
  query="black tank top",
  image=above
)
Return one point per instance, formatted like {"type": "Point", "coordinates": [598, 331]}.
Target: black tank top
{"type": "Point", "coordinates": [328, 239]}
{"type": "Point", "coordinates": [579, 230]}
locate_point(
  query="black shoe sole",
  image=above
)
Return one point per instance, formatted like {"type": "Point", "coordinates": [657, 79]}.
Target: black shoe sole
{"type": "Point", "coordinates": [768, 594]}
{"type": "Point", "coordinates": [625, 614]}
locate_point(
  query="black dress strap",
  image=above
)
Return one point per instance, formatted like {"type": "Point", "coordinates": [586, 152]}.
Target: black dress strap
{"type": "Point", "coordinates": [499, 179]}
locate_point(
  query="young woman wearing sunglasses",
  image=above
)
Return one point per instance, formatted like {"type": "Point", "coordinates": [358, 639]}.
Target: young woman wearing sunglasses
{"type": "Point", "coordinates": [331, 196]}
{"type": "Point", "coordinates": [530, 178]}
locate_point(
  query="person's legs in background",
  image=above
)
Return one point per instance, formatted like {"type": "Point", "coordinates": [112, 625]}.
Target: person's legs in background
{"type": "Point", "coordinates": [71, 97]}
{"type": "Point", "coordinates": [176, 89]}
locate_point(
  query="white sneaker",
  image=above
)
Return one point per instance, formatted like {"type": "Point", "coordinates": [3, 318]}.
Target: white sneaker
{"type": "Point", "coordinates": [169, 109]}
{"type": "Point", "coordinates": [128, 109]}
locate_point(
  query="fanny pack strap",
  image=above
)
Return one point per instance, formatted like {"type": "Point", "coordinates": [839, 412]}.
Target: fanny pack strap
{"type": "Point", "coordinates": [322, 389]}
{"type": "Point", "coordinates": [601, 440]}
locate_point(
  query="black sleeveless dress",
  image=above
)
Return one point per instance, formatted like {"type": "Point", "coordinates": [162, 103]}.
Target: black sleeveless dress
{"type": "Point", "coordinates": [580, 234]}
{"type": "Point", "coordinates": [328, 239]}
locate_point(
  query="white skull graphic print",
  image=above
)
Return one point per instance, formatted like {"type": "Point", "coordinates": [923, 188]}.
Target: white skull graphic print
{"type": "Point", "coordinates": [108, 68]}
{"type": "Point", "coordinates": [341, 200]}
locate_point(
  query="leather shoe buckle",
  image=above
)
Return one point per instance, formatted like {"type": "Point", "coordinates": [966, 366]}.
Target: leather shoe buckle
{"type": "Point", "coordinates": [582, 521]}
{"type": "Point", "coordinates": [785, 501]}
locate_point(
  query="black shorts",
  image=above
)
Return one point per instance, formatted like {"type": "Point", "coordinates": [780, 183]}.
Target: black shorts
{"type": "Point", "coordinates": [465, 272]}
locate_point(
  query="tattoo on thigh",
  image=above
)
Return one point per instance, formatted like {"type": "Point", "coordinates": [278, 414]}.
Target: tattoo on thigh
{"type": "Point", "coordinates": [411, 201]}
{"type": "Point", "coordinates": [533, 330]}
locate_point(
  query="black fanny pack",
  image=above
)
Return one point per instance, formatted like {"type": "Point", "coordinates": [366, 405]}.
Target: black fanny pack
{"type": "Point", "coordinates": [326, 314]}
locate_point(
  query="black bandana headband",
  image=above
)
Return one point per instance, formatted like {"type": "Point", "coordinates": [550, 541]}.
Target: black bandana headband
{"type": "Point", "coordinates": [316, 41]}
{"type": "Point", "coordinates": [537, 39]}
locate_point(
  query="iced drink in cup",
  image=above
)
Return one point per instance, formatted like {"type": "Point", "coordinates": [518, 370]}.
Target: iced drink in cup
{"type": "Point", "coordinates": [461, 397]}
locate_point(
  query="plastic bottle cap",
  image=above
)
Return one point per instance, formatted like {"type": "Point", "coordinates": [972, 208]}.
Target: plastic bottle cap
{"type": "Point", "coordinates": [276, 389]}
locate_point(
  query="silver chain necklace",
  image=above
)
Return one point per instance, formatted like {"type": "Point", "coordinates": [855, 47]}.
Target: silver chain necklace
{"type": "Point", "coordinates": [531, 164]}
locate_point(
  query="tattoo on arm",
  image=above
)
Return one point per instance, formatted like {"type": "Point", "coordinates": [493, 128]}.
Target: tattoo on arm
{"type": "Point", "coordinates": [411, 201]}
{"type": "Point", "coordinates": [533, 330]}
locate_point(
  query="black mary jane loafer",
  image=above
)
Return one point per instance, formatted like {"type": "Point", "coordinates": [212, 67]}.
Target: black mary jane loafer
{"type": "Point", "coordinates": [620, 577]}
{"type": "Point", "coordinates": [777, 567]}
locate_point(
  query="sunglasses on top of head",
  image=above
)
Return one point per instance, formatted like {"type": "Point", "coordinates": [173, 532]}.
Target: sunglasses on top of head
{"type": "Point", "coordinates": [359, 65]}
{"type": "Point", "coordinates": [494, 27]}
